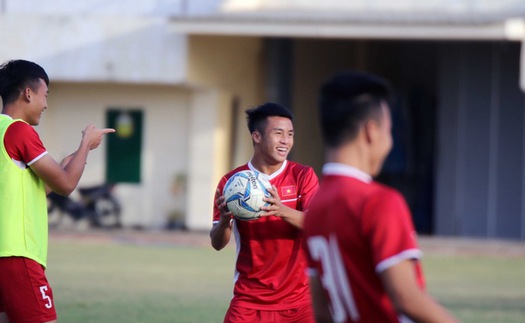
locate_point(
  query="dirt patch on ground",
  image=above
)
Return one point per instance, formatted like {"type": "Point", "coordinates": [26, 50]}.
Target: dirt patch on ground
{"type": "Point", "coordinates": [472, 246]}
{"type": "Point", "coordinates": [435, 245]}
{"type": "Point", "coordinates": [139, 237]}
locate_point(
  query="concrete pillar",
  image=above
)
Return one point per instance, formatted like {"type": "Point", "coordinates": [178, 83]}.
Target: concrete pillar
{"type": "Point", "coordinates": [209, 137]}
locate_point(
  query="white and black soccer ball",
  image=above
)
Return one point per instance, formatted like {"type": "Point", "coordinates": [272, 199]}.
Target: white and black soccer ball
{"type": "Point", "coordinates": [244, 193]}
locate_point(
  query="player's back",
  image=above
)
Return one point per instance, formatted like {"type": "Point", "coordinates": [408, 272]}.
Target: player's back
{"type": "Point", "coordinates": [340, 208]}
{"type": "Point", "coordinates": [343, 217]}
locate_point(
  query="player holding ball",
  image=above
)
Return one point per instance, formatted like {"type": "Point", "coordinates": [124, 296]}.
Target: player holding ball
{"type": "Point", "coordinates": [270, 284]}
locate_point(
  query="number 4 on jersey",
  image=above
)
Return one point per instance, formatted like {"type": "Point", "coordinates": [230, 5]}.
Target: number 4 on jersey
{"type": "Point", "coordinates": [334, 278]}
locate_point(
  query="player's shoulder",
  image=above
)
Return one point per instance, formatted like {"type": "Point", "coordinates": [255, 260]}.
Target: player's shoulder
{"type": "Point", "coordinates": [20, 131]}
{"type": "Point", "coordinates": [294, 164]}
{"type": "Point", "coordinates": [298, 167]}
{"type": "Point", "coordinates": [382, 189]}
{"type": "Point", "coordinates": [20, 126]}
{"type": "Point", "coordinates": [302, 173]}
{"type": "Point", "coordinates": [384, 194]}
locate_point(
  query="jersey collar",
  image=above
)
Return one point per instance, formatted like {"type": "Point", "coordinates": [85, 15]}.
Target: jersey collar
{"type": "Point", "coordinates": [273, 175]}
{"type": "Point", "coordinates": [346, 170]}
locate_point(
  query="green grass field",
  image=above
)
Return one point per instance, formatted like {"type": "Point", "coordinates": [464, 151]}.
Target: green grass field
{"type": "Point", "coordinates": [115, 280]}
{"type": "Point", "coordinates": [479, 288]}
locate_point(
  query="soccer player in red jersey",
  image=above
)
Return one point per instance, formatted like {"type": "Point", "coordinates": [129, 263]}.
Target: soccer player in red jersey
{"type": "Point", "coordinates": [361, 245]}
{"type": "Point", "coordinates": [270, 283]}
{"type": "Point", "coordinates": [27, 173]}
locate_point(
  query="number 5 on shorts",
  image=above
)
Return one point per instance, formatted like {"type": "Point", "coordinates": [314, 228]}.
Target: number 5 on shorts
{"type": "Point", "coordinates": [45, 297]}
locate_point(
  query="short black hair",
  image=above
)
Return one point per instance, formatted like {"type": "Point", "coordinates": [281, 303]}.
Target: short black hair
{"type": "Point", "coordinates": [257, 116]}
{"type": "Point", "coordinates": [348, 99]}
{"type": "Point", "coordinates": [16, 75]}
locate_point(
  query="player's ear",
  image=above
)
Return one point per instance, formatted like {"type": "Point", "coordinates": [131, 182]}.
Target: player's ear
{"type": "Point", "coordinates": [370, 128]}
{"type": "Point", "coordinates": [27, 94]}
{"type": "Point", "coordinates": [256, 136]}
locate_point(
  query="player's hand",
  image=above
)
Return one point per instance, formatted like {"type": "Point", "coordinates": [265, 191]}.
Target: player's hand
{"type": "Point", "coordinates": [221, 205]}
{"type": "Point", "coordinates": [92, 135]}
{"type": "Point", "coordinates": [277, 208]}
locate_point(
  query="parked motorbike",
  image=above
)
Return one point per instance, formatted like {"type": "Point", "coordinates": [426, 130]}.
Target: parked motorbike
{"type": "Point", "coordinates": [97, 204]}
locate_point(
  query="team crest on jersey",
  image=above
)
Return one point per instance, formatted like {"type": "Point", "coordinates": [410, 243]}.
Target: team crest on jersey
{"type": "Point", "coordinates": [288, 190]}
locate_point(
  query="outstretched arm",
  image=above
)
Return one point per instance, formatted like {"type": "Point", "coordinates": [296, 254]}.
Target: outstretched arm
{"type": "Point", "coordinates": [63, 178]}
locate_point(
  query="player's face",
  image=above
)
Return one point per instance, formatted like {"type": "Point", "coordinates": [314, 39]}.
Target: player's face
{"type": "Point", "coordinates": [383, 144]}
{"type": "Point", "coordinates": [37, 103]}
{"type": "Point", "coordinates": [277, 141]}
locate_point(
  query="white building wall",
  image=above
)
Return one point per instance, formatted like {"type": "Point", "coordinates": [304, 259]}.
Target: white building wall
{"type": "Point", "coordinates": [165, 140]}
{"type": "Point", "coordinates": [96, 48]}
{"type": "Point", "coordinates": [159, 8]}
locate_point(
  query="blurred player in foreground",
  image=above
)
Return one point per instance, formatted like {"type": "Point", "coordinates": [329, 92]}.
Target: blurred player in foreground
{"type": "Point", "coordinates": [270, 280]}
{"type": "Point", "coordinates": [363, 255]}
{"type": "Point", "coordinates": [27, 173]}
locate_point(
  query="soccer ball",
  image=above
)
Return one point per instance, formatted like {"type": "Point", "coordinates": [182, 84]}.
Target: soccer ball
{"type": "Point", "coordinates": [244, 193]}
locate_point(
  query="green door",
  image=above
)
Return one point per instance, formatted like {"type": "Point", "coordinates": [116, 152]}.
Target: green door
{"type": "Point", "coordinates": [124, 148]}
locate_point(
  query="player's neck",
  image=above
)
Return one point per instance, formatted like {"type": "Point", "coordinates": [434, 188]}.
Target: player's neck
{"type": "Point", "coordinates": [264, 167]}
{"type": "Point", "coordinates": [14, 111]}
{"type": "Point", "coordinates": [353, 155]}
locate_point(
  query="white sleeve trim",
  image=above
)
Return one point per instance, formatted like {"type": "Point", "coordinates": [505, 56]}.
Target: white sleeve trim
{"type": "Point", "coordinates": [37, 158]}
{"type": "Point", "coordinates": [395, 259]}
{"type": "Point", "coordinates": [214, 222]}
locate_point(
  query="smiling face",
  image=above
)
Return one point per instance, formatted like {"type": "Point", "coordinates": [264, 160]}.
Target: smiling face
{"type": "Point", "coordinates": [36, 103]}
{"type": "Point", "coordinates": [271, 148]}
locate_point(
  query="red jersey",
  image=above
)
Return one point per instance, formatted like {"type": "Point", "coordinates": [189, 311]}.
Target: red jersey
{"type": "Point", "coordinates": [23, 144]}
{"type": "Point", "coordinates": [355, 229]}
{"type": "Point", "coordinates": [270, 267]}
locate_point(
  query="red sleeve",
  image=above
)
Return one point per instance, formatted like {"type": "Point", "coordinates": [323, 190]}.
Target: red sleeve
{"type": "Point", "coordinates": [310, 184]}
{"type": "Point", "coordinates": [23, 143]}
{"type": "Point", "coordinates": [388, 225]}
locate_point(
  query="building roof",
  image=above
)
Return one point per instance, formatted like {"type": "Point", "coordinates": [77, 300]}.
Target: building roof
{"type": "Point", "coordinates": [506, 23]}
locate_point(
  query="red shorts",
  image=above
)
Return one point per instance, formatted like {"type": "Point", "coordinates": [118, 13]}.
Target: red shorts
{"type": "Point", "coordinates": [239, 314]}
{"type": "Point", "coordinates": [25, 295]}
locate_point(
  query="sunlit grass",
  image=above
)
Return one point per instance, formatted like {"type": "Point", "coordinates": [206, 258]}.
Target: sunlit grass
{"type": "Point", "coordinates": [96, 282]}
{"type": "Point", "coordinates": [121, 281]}
{"type": "Point", "coordinates": [479, 288]}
